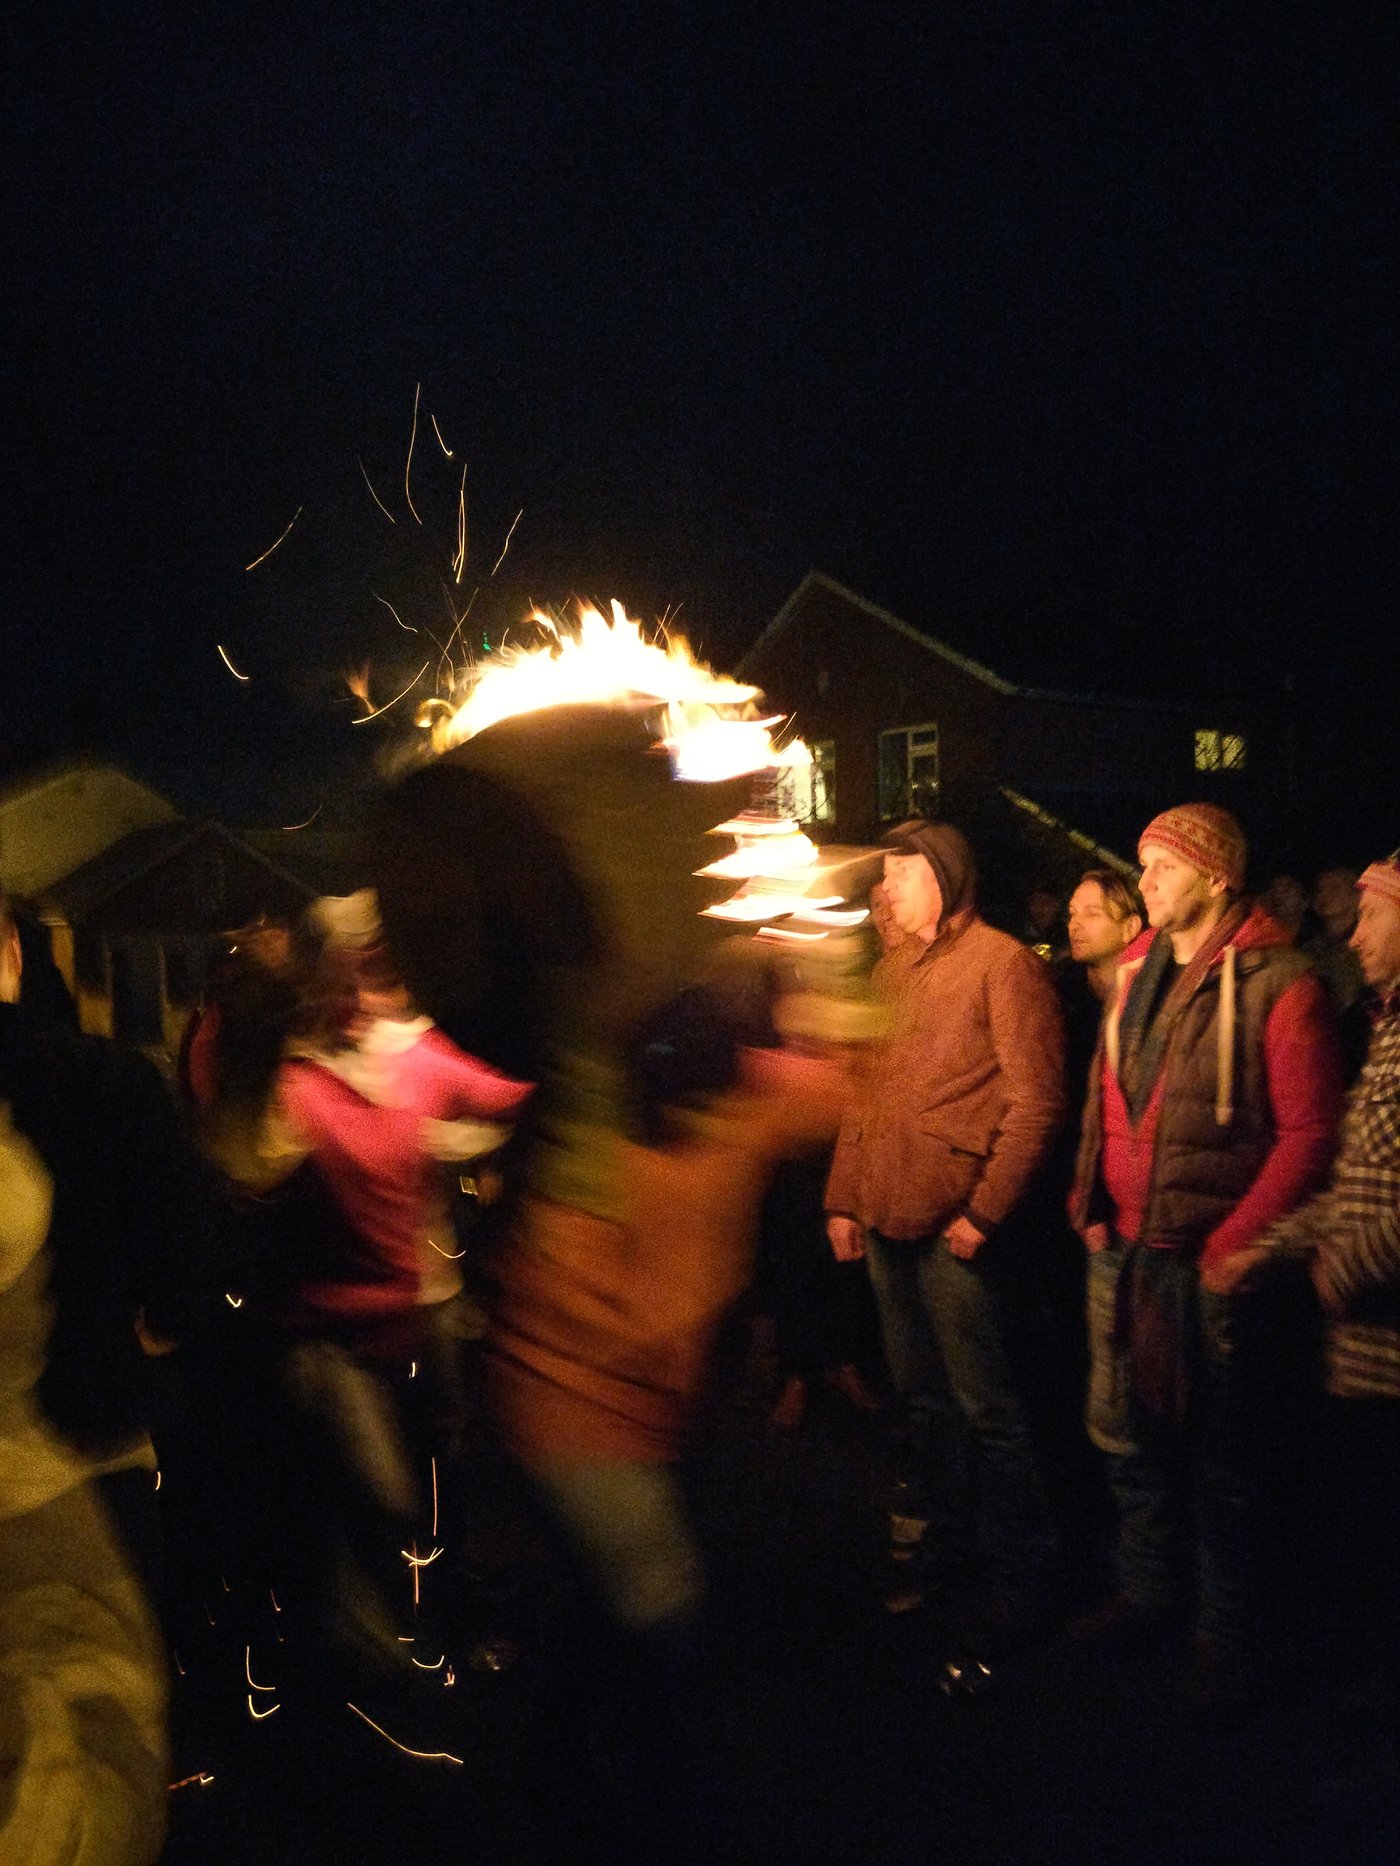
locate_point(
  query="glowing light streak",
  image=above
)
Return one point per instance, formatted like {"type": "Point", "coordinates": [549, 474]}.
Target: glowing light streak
{"type": "Point", "coordinates": [459, 561]}
{"type": "Point", "coordinates": [175, 1655]}
{"type": "Point", "coordinates": [408, 463]}
{"type": "Point", "coordinates": [223, 656]}
{"type": "Point", "coordinates": [451, 1255]}
{"type": "Point", "coordinates": [432, 1466]}
{"type": "Point", "coordinates": [253, 1684]}
{"type": "Point", "coordinates": [506, 546]}
{"type": "Point", "coordinates": [157, 1480]}
{"type": "Point", "coordinates": [423, 1666]}
{"type": "Point", "coordinates": [287, 828]}
{"type": "Point", "coordinates": [234, 1302]}
{"type": "Point", "coordinates": [746, 908]}
{"type": "Point", "coordinates": [707, 749]}
{"type": "Point", "coordinates": [202, 1780]}
{"type": "Point", "coordinates": [423, 1755]}
{"type": "Point", "coordinates": [417, 1562]}
{"type": "Point", "coordinates": [790, 936]}
{"type": "Point", "coordinates": [373, 494]}
{"type": "Point", "coordinates": [445, 654]}
{"type": "Point", "coordinates": [259, 1715]}
{"type": "Point", "coordinates": [752, 827]}
{"type": "Point", "coordinates": [208, 1616]}
{"type": "Point", "coordinates": [438, 431]}
{"type": "Point", "coordinates": [393, 612]}
{"type": "Point", "coordinates": [450, 1678]}
{"type": "Point", "coordinates": [224, 1584]}
{"type": "Point", "coordinates": [272, 547]}
{"type": "Point", "coordinates": [413, 1370]}
{"type": "Point", "coordinates": [365, 718]}
{"type": "Point", "coordinates": [823, 916]}
{"type": "Point", "coordinates": [273, 1598]}
{"type": "Point", "coordinates": [786, 857]}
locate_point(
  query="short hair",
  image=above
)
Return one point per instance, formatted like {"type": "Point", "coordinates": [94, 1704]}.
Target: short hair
{"type": "Point", "coordinates": [1120, 895]}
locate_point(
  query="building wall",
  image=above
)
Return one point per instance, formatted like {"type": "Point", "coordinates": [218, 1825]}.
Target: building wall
{"type": "Point", "coordinates": [844, 676]}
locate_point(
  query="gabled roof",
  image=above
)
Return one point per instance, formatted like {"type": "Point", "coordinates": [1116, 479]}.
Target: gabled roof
{"type": "Point", "coordinates": [818, 580]}
{"type": "Point", "coordinates": [27, 779]}
{"type": "Point", "coordinates": [1029, 807]}
{"type": "Point", "coordinates": [76, 896]}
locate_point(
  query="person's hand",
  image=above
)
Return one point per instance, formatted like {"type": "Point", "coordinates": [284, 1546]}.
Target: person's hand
{"type": "Point", "coordinates": [963, 1238]}
{"type": "Point", "coordinates": [847, 1238]}
{"type": "Point", "coordinates": [1096, 1238]}
{"type": "Point", "coordinates": [1240, 1271]}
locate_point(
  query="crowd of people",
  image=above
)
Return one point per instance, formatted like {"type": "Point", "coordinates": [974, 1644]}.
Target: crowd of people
{"type": "Point", "coordinates": [1238, 1209]}
{"type": "Point", "coordinates": [1143, 1196]}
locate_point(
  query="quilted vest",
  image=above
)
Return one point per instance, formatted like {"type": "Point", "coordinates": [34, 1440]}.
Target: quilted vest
{"type": "Point", "coordinates": [1201, 1166]}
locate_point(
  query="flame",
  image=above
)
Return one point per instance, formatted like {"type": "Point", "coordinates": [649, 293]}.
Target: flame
{"type": "Point", "coordinates": [706, 722]}
{"type": "Point", "coordinates": [770, 856]}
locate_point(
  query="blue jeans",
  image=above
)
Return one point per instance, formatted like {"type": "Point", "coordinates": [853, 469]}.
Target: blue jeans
{"type": "Point", "coordinates": [968, 1431]}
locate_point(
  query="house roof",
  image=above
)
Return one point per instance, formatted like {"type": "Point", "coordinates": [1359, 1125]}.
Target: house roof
{"type": "Point", "coordinates": [818, 580]}
{"type": "Point", "coordinates": [26, 778]}
{"type": "Point", "coordinates": [78, 894]}
{"type": "Point", "coordinates": [1037, 812]}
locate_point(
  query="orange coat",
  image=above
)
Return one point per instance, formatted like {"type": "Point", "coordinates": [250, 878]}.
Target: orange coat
{"type": "Point", "coordinates": [961, 1101]}
{"type": "Point", "coordinates": [602, 1338]}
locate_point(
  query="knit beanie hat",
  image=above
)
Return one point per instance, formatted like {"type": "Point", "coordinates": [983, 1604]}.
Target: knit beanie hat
{"type": "Point", "coordinates": [947, 852]}
{"type": "Point", "coordinates": [1383, 877]}
{"type": "Point", "coordinates": [1204, 835]}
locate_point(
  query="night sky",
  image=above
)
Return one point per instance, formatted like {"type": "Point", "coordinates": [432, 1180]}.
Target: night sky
{"type": "Point", "coordinates": [1064, 330]}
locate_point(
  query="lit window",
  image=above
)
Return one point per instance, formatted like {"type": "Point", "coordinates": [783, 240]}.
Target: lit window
{"type": "Point", "coordinates": [807, 793]}
{"type": "Point", "coordinates": [908, 772]}
{"type": "Point", "coordinates": [1219, 751]}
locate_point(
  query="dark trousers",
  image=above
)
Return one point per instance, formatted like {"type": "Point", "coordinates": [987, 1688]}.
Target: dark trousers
{"type": "Point", "coordinates": [970, 1440]}
{"type": "Point", "coordinates": [1178, 1400]}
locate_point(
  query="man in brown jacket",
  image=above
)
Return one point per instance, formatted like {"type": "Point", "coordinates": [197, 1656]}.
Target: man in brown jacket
{"type": "Point", "coordinates": [958, 1108]}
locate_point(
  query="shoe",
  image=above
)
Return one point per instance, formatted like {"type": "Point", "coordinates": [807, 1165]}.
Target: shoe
{"type": "Point", "coordinates": [851, 1384]}
{"type": "Point", "coordinates": [790, 1408]}
{"type": "Point", "coordinates": [1122, 1628]}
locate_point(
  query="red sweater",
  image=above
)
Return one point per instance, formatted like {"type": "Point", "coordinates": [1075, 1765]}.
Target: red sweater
{"type": "Point", "coordinates": [371, 1156]}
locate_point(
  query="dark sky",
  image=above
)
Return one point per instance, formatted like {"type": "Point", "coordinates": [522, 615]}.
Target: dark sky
{"type": "Point", "coordinates": [1064, 329]}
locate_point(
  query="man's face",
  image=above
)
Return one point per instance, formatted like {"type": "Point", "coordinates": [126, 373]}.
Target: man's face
{"type": "Point", "coordinates": [1095, 931]}
{"type": "Point", "coordinates": [1177, 896]}
{"type": "Point", "coordinates": [1376, 941]}
{"type": "Point", "coordinates": [1334, 898]}
{"type": "Point", "coordinates": [913, 895]}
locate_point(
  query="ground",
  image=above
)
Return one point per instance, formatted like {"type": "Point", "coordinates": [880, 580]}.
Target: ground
{"type": "Point", "coordinates": [844, 1743]}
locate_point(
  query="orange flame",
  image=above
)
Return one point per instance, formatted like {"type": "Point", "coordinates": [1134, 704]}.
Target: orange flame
{"type": "Point", "coordinates": [706, 720]}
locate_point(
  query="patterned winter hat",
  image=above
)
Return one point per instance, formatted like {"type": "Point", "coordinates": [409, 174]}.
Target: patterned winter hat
{"type": "Point", "coordinates": [1204, 835]}
{"type": "Point", "coordinates": [1383, 877]}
